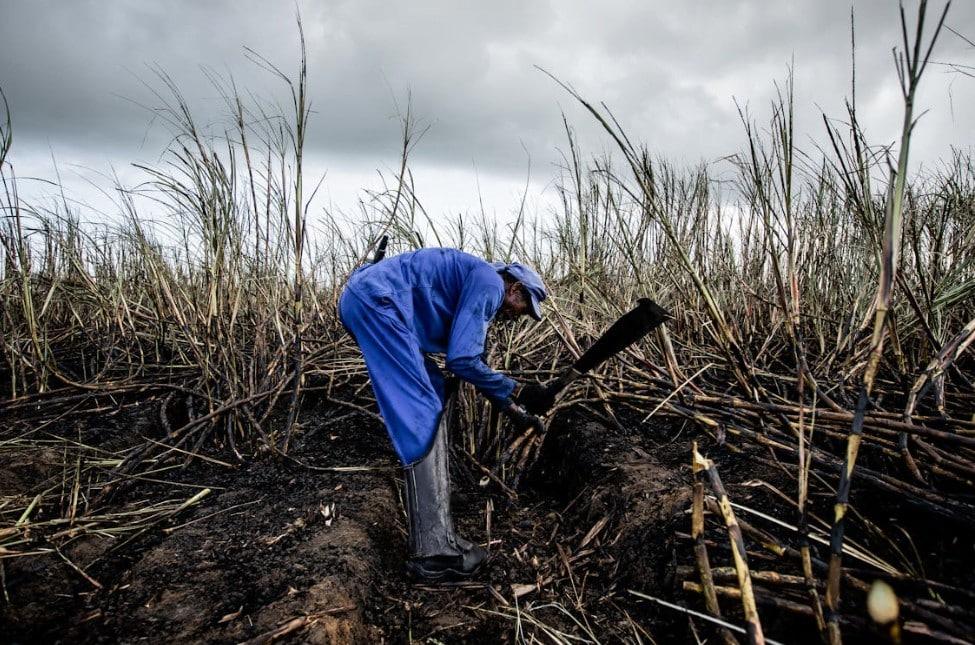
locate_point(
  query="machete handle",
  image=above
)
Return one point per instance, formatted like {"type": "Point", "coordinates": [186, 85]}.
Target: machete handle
{"type": "Point", "coordinates": [563, 380]}
{"type": "Point", "coordinates": [380, 249]}
{"type": "Point", "coordinates": [522, 417]}
{"type": "Point", "coordinates": [529, 428]}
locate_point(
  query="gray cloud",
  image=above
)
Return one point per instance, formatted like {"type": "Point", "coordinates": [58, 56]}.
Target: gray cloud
{"type": "Point", "coordinates": [670, 72]}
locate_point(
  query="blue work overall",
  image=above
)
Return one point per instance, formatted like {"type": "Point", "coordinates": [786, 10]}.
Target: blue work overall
{"type": "Point", "coordinates": [431, 301]}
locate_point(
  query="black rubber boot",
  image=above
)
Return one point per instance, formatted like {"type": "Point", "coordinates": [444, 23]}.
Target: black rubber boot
{"type": "Point", "coordinates": [436, 552]}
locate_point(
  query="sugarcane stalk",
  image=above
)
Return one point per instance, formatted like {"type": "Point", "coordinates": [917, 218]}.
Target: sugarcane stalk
{"type": "Point", "coordinates": [804, 464]}
{"type": "Point", "coordinates": [705, 468]}
{"type": "Point", "coordinates": [936, 367]}
{"type": "Point", "coordinates": [911, 67]}
{"type": "Point", "coordinates": [766, 599]}
{"type": "Point", "coordinates": [701, 557]}
{"type": "Point", "coordinates": [301, 109]}
{"type": "Point", "coordinates": [726, 574]}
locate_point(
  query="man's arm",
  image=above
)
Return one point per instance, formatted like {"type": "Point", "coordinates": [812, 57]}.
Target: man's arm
{"type": "Point", "coordinates": [480, 300]}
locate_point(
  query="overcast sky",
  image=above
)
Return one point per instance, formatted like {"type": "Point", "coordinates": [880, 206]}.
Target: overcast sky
{"type": "Point", "coordinates": [670, 71]}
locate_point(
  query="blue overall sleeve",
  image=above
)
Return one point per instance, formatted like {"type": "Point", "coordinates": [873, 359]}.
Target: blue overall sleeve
{"type": "Point", "coordinates": [478, 303]}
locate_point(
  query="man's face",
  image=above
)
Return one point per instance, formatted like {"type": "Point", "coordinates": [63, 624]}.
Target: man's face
{"type": "Point", "coordinates": [515, 303]}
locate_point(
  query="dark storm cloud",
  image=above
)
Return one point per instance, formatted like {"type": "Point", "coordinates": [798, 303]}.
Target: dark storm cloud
{"type": "Point", "coordinates": [670, 71]}
{"type": "Point", "coordinates": [67, 67]}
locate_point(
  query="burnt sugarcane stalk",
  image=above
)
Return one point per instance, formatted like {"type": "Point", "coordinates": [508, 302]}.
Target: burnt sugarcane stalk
{"type": "Point", "coordinates": [773, 601]}
{"type": "Point", "coordinates": [804, 464]}
{"type": "Point", "coordinates": [927, 499]}
{"type": "Point", "coordinates": [805, 553]}
{"type": "Point", "coordinates": [935, 613]}
{"type": "Point", "coordinates": [767, 578]}
{"type": "Point", "coordinates": [779, 439]}
{"type": "Point", "coordinates": [936, 367]}
{"type": "Point", "coordinates": [701, 557]}
{"type": "Point", "coordinates": [911, 66]}
{"type": "Point", "coordinates": [930, 501]}
{"type": "Point", "coordinates": [888, 426]}
{"type": "Point", "coordinates": [298, 95]}
{"type": "Point", "coordinates": [705, 468]}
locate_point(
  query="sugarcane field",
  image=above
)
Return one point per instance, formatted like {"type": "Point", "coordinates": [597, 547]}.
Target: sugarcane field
{"type": "Point", "coordinates": [524, 323]}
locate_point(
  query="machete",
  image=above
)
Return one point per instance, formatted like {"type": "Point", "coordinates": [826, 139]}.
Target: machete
{"type": "Point", "coordinates": [629, 328]}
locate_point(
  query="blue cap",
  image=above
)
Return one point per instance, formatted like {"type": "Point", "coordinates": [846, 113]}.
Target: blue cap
{"type": "Point", "coordinates": [530, 280]}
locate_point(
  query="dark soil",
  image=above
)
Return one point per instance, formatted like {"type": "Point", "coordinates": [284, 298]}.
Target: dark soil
{"type": "Point", "coordinates": [282, 551]}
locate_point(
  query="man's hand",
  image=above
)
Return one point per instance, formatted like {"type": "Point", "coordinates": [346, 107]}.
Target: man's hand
{"type": "Point", "coordinates": [535, 398]}
{"type": "Point", "coordinates": [521, 419]}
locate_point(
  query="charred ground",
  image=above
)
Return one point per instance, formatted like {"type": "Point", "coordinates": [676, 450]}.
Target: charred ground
{"type": "Point", "coordinates": [310, 547]}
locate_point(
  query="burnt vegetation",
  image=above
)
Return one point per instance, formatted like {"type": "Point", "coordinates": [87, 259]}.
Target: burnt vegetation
{"type": "Point", "coordinates": [190, 449]}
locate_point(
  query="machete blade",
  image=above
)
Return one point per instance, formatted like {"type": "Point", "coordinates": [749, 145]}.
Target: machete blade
{"type": "Point", "coordinates": [631, 327]}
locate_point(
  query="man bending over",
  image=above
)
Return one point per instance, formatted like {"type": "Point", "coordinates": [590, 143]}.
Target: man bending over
{"type": "Point", "coordinates": [437, 301]}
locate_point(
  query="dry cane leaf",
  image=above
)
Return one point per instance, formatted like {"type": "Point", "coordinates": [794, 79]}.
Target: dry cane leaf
{"type": "Point", "coordinates": [92, 616]}
{"type": "Point", "coordinates": [594, 531]}
{"type": "Point", "coordinates": [520, 590]}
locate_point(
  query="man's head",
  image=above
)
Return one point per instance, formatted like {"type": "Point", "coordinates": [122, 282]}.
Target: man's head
{"type": "Point", "coordinates": [523, 292]}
